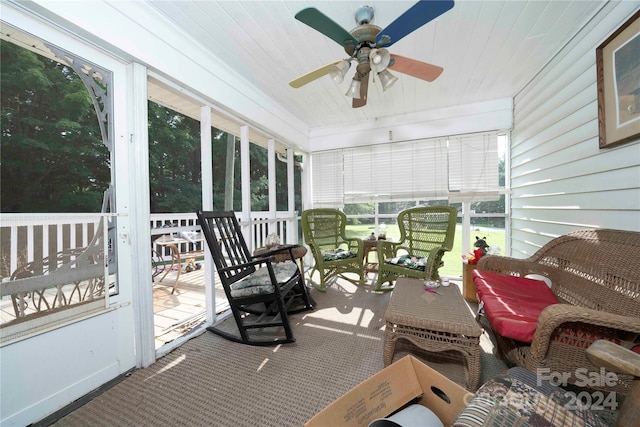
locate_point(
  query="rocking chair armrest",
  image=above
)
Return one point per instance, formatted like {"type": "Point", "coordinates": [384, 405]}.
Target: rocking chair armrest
{"type": "Point", "coordinates": [315, 250]}
{"type": "Point", "coordinates": [387, 249]}
{"type": "Point", "coordinates": [247, 264]}
{"type": "Point", "coordinates": [555, 315]}
{"type": "Point", "coordinates": [275, 250]}
{"type": "Point", "coordinates": [435, 256]}
{"type": "Point", "coordinates": [354, 241]}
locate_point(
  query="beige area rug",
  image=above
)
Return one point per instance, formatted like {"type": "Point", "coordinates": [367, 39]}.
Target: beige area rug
{"type": "Point", "coordinates": [210, 381]}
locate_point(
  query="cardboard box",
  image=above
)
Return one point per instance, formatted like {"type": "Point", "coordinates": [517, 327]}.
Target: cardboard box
{"type": "Point", "coordinates": [408, 380]}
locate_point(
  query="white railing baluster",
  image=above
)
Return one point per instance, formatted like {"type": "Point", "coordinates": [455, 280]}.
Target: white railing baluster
{"type": "Point", "coordinates": [30, 243]}
{"type": "Point", "coordinates": [45, 239]}
{"type": "Point", "coordinates": [13, 251]}
{"type": "Point", "coordinates": [59, 237]}
{"type": "Point", "coordinates": [72, 236]}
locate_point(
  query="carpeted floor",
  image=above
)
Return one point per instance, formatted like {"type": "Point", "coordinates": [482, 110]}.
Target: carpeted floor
{"type": "Point", "coordinates": [210, 381]}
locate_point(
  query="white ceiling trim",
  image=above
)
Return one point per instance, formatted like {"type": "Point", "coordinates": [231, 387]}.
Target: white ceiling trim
{"type": "Point", "coordinates": [458, 120]}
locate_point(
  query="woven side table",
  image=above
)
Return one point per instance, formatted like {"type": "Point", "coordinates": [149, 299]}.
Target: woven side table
{"type": "Point", "coordinates": [435, 323]}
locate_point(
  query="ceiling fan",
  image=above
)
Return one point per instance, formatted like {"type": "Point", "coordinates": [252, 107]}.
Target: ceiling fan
{"type": "Point", "coordinates": [366, 45]}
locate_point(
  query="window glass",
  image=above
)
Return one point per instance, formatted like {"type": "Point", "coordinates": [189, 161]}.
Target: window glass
{"type": "Point", "coordinates": [175, 183]}
{"type": "Point", "coordinates": [259, 178]}
{"type": "Point", "coordinates": [55, 160]}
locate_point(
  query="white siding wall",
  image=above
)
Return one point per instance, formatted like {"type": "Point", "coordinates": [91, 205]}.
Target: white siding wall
{"type": "Point", "coordinates": [561, 181]}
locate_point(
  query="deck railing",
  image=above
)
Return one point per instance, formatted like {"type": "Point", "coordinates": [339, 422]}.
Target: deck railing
{"type": "Point", "coordinates": [25, 238]}
{"type": "Point", "coordinates": [53, 271]}
{"type": "Point", "coordinates": [255, 231]}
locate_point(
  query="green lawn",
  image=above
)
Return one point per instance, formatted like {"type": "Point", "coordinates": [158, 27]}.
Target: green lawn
{"type": "Point", "coordinates": [452, 260]}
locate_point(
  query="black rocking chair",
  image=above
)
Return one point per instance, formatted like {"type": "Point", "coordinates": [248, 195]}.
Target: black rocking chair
{"type": "Point", "coordinates": [260, 292]}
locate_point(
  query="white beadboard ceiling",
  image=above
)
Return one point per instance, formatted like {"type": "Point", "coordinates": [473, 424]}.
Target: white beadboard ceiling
{"type": "Point", "coordinates": [488, 49]}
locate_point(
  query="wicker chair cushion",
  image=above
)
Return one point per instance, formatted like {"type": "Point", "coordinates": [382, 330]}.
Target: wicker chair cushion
{"type": "Point", "coordinates": [339, 253]}
{"type": "Point", "coordinates": [512, 304]}
{"type": "Point", "coordinates": [518, 398]}
{"type": "Point", "coordinates": [259, 282]}
{"type": "Point", "coordinates": [410, 261]}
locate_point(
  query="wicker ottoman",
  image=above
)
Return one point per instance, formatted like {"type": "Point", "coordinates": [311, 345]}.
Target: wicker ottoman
{"type": "Point", "coordinates": [440, 324]}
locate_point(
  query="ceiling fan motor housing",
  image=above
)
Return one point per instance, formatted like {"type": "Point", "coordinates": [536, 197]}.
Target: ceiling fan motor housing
{"type": "Point", "coordinates": [364, 15]}
{"type": "Point", "coordinates": [366, 37]}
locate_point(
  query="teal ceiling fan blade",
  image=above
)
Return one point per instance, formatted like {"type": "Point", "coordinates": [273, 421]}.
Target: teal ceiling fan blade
{"type": "Point", "coordinates": [415, 17]}
{"type": "Point", "coordinates": [325, 25]}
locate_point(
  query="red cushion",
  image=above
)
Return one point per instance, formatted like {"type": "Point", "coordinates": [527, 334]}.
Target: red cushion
{"type": "Point", "coordinates": [512, 304]}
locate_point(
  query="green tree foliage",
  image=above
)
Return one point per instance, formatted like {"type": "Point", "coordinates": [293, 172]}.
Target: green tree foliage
{"type": "Point", "coordinates": [174, 161]}
{"type": "Point", "coordinates": [174, 167]}
{"type": "Point", "coordinates": [260, 181]}
{"type": "Point", "coordinates": [52, 158]}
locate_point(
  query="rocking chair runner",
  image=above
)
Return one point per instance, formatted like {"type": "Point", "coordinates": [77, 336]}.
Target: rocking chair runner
{"type": "Point", "coordinates": [260, 293]}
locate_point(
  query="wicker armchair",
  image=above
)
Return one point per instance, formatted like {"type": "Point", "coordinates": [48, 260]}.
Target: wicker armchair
{"type": "Point", "coordinates": [426, 233]}
{"type": "Point", "coordinates": [595, 276]}
{"type": "Point", "coordinates": [334, 253]}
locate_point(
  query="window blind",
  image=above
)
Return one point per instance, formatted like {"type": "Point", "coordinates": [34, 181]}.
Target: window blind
{"type": "Point", "coordinates": [327, 179]}
{"type": "Point", "coordinates": [397, 171]}
{"type": "Point", "coordinates": [473, 167]}
{"type": "Point", "coordinates": [462, 168]}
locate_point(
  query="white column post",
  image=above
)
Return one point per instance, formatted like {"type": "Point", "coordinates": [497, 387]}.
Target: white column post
{"type": "Point", "coordinates": [139, 236]}
{"type": "Point", "coordinates": [206, 165]}
{"type": "Point", "coordinates": [292, 223]}
{"type": "Point", "coordinates": [271, 179]}
{"type": "Point", "coordinates": [466, 227]}
{"type": "Point", "coordinates": [306, 182]}
{"type": "Point", "coordinates": [245, 180]}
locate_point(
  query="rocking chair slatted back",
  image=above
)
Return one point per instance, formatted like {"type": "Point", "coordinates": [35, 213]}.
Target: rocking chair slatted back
{"type": "Point", "coordinates": [325, 227]}
{"type": "Point", "coordinates": [229, 249]}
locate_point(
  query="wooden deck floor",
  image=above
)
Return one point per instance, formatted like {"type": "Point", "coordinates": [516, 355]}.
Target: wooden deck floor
{"type": "Point", "coordinates": [176, 314]}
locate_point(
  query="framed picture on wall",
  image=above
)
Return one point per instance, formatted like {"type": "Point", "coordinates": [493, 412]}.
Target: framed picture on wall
{"type": "Point", "coordinates": [618, 68]}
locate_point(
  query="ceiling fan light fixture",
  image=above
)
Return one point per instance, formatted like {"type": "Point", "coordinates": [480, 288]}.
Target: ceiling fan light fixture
{"type": "Point", "coordinates": [379, 59]}
{"type": "Point", "coordinates": [354, 89]}
{"type": "Point", "coordinates": [386, 79]}
{"type": "Point", "coordinates": [337, 71]}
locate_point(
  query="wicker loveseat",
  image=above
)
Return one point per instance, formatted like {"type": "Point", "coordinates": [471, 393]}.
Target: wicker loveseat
{"type": "Point", "coordinates": [595, 276]}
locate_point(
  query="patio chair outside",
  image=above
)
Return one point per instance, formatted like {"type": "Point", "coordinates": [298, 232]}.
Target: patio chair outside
{"type": "Point", "coordinates": [334, 253]}
{"type": "Point", "coordinates": [261, 293]}
{"type": "Point", "coordinates": [426, 233]}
